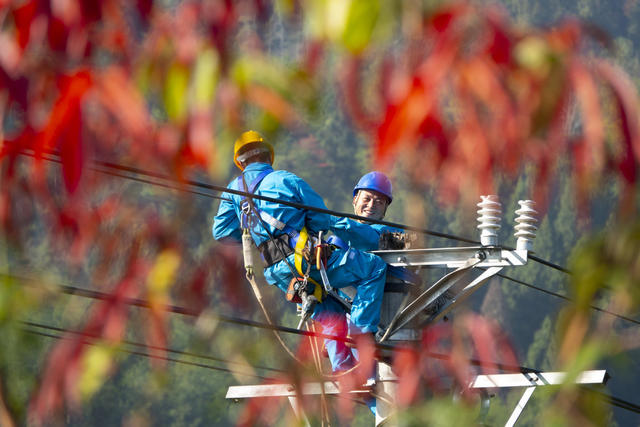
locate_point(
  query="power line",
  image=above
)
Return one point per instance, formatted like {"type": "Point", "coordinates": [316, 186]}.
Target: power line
{"type": "Point", "coordinates": [286, 202]}
{"type": "Point", "coordinates": [138, 171]}
{"type": "Point", "coordinates": [154, 356]}
{"type": "Point", "coordinates": [548, 263]}
{"type": "Point", "coordinates": [153, 347]}
{"type": "Point", "coordinates": [474, 362]}
{"type": "Point", "coordinates": [615, 401]}
{"type": "Point", "coordinates": [222, 189]}
{"type": "Point", "coordinates": [134, 178]}
{"type": "Point", "coordinates": [245, 322]}
{"type": "Point", "coordinates": [72, 290]}
{"type": "Point", "coordinates": [593, 307]}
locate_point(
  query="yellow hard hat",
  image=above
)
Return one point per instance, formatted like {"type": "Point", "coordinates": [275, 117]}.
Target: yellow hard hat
{"type": "Point", "coordinates": [250, 137]}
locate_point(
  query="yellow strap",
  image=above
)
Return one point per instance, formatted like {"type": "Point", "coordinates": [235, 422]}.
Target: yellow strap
{"type": "Point", "coordinates": [297, 260]}
{"type": "Point", "coordinates": [297, 257]}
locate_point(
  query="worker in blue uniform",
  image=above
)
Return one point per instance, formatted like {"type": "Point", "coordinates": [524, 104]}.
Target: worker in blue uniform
{"type": "Point", "coordinates": [371, 197]}
{"type": "Point", "coordinates": [276, 229]}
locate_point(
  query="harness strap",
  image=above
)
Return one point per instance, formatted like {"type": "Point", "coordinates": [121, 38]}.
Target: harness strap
{"type": "Point", "coordinates": [276, 223]}
{"type": "Point", "coordinates": [297, 260]}
{"type": "Point", "coordinates": [266, 217]}
{"type": "Point", "coordinates": [297, 240]}
{"type": "Point", "coordinates": [300, 244]}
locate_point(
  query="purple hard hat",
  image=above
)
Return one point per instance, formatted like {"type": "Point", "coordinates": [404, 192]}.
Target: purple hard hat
{"type": "Point", "coordinates": [376, 181]}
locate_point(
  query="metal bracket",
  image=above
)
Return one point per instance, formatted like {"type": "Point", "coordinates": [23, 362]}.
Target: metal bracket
{"type": "Point", "coordinates": [427, 297]}
{"type": "Point", "coordinates": [532, 380]}
{"type": "Point", "coordinates": [489, 256]}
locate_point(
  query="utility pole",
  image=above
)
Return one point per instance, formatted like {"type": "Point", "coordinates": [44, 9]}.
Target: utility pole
{"type": "Point", "coordinates": [408, 308]}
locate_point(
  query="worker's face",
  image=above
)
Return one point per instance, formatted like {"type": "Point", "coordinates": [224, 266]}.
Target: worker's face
{"type": "Point", "coordinates": [371, 204]}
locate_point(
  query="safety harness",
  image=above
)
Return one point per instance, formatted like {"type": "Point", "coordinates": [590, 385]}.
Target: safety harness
{"type": "Point", "coordinates": [276, 249]}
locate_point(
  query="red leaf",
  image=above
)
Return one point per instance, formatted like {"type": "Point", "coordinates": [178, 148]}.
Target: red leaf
{"type": "Point", "coordinates": [313, 56]}
{"type": "Point", "coordinates": [91, 11]}
{"type": "Point", "coordinates": [350, 82]}
{"type": "Point", "coordinates": [499, 47]}
{"type": "Point", "coordinates": [57, 33]}
{"type": "Point", "coordinates": [482, 337]}
{"type": "Point", "coordinates": [592, 125]}
{"type": "Point", "coordinates": [120, 96]}
{"type": "Point", "coordinates": [16, 88]}
{"type": "Point", "coordinates": [230, 275]}
{"type": "Point", "coordinates": [144, 8]}
{"type": "Point", "coordinates": [71, 154]}
{"type": "Point", "coordinates": [402, 121]}
{"type": "Point", "coordinates": [23, 17]}
{"type": "Point", "coordinates": [627, 102]}
{"type": "Point", "coordinates": [405, 365]}
{"type": "Point", "coordinates": [441, 21]}
{"type": "Point", "coordinates": [431, 130]}
{"type": "Point", "coordinates": [64, 127]}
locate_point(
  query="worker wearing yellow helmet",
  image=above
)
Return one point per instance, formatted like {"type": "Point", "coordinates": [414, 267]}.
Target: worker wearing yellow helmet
{"type": "Point", "coordinates": [248, 145]}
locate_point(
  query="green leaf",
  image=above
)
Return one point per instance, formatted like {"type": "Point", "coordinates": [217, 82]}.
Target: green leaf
{"type": "Point", "coordinates": [361, 22]}
{"type": "Point", "coordinates": [175, 92]}
{"type": "Point", "coordinates": [96, 364]}
{"type": "Point", "coordinates": [205, 78]}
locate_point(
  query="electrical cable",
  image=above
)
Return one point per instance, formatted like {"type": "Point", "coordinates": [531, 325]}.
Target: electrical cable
{"type": "Point", "coordinates": [593, 307]}
{"type": "Point", "coordinates": [153, 347]}
{"type": "Point", "coordinates": [251, 323]}
{"type": "Point", "coordinates": [474, 362]}
{"type": "Point", "coordinates": [549, 264]}
{"type": "Point", "coordinates": [72, 290]}
{"type": "Point", "coordinates": [155, 356]}
{"type": "Point", "coordinates": [137, 179]}
{"type": "Point", "coordinates": [222, 189]}
{"type": "Point", "coordinates": [615, 401]}
{"type": "Point", "coordinates": [217, 188]}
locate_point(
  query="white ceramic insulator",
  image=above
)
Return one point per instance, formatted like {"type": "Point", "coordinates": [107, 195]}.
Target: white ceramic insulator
{"type": "Point", "coordinates": [489, 217]}
{"type": "Point", "coordinates": [526, 227]}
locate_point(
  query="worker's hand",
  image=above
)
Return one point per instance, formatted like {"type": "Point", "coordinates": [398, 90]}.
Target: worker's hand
{"type": "Point", "coordinates": [396, 240]}
{"type": "Point", "coordinates": [409, 238]}
{"type": "Point", "coordinates": [306, 253]}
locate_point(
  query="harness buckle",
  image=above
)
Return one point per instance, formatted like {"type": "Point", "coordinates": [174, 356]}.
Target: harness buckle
{"type": "Point", "coordinates": [247, 218]}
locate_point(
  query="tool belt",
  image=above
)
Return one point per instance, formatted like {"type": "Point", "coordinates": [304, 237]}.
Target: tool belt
{"type": "Point", "coordinates": [272, 250]}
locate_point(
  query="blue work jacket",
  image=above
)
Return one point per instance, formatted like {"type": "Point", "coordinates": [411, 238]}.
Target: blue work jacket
{"type": "Point", "coordinates": [280, 185]}
{"type": "Point", "coordinates": [362, 236]}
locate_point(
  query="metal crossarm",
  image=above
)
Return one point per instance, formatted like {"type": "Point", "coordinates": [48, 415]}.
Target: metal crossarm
{"type": "Point", "coordinates": [530, 381]}
{"type": "Point", "coordinates": [536, 379]}
{"type": "Point", "coordinates": [288, 390]}
{"type": "Point", "coordinates": [454, 257]}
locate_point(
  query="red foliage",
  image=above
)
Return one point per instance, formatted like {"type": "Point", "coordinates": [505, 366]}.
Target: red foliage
{"type": "Point", "coordinates": [108, 320]}
{"type": "Point", "coordinates": [506, 91]}
{"type": "Point", "coordinates": [469, 95]}
{"type": "Point", "coordinates": [472, 346]}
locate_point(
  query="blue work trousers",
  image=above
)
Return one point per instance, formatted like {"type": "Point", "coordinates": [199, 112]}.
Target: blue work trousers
{"type": "Point", "coordinates": [364, 271]}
